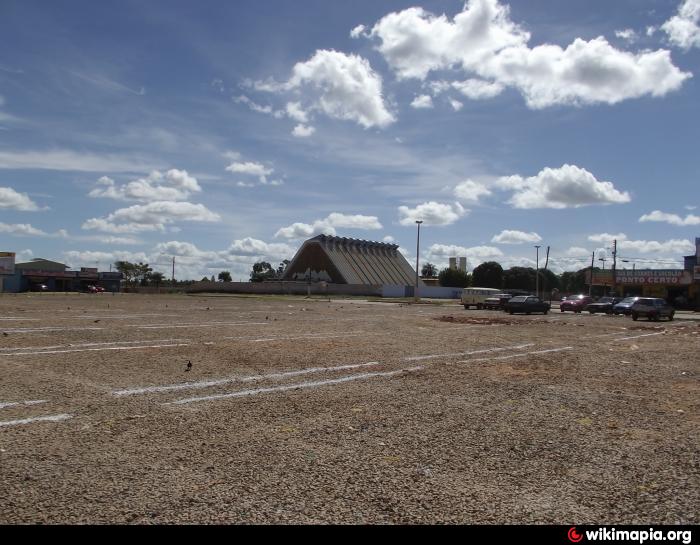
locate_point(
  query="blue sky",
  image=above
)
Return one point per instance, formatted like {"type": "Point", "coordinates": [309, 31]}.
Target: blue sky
{"type": "Point", "coordinates": [226, 135]}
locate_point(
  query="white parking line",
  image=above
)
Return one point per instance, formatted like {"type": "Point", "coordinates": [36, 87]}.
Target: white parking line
{"type": "Point", "coordinates": [286, 387]}
{"type": "Point", "coordinates": [637, 336]}
{"type": "Point", "coordinates": [22, 403]}
{"type": "Point", "coordinates": [431, 356]}
{"type": "Point", "coordinates": [519, 355]}
{"type": "Point", "coordinates": [49, 418]}
{"type": "Point", "coordinates": [251, 378]}
{"type": "Point", "coordinates": [48, 329]}
{"type": "Point", "coordinates": [95, 349]}
{"type": "Point", "coordinates": [210, 324]}
{"type": "Point", "coordinates": [81, 345]}
{"type": "Point", "coordinates": [19, 318]}
{"type": "Point", "coordinates": [310, 336]}
{"type": "Point", "coordinates": [122, 316]}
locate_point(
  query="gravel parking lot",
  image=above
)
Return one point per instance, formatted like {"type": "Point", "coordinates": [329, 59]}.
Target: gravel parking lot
{"type": "Point", "coordinates": [309, 411]}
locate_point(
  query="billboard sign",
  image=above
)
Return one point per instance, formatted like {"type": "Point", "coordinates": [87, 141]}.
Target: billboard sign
{"type": "Point", "coordinates": [7, 263]}
{"type": "Point", "coordinates": [644, 277]}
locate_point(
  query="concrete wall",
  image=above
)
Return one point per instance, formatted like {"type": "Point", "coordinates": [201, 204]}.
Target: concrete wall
{"type": "Point", "coordinates": [284, 288]}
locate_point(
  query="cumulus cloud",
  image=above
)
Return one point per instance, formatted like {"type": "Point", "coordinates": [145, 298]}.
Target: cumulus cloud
{"type": "Point", "coordinates": [577, 251]}
{"type": "Point", "coordinates": [673, 219]}
{"type": "Point", "coordinates": [456, 104]}
{"type": "Point", "coordinates": [477, 89]}
{"type": "Point", "coordinates": [439, 253]}
{"type": "Point", "coordinates": [242, 99]}
{"type": "Point", "coordinates": [683, 29]}
{"type": "Point", "coordinates": [153, 216]}
{"type": "Point", "coordinates": [296, 112]}
{"type": "Point", "coordinates": [483, 40]}
{"type": "Point", "coordinates": [342, 86]}
{"type": "Point", "coordinates": [357, 31]}
{"type": "Point", "coordinates": [11, 199]}
{"type": "Point", "coordinates": [173, 185]}
{"type": "Point", "coordinates": [672, 247]}
{"type": "Point", "coordinates": [328, 226]}
{"type": "Point", "coordinates": [516, 237]}
{"type": "Point", "coordinates": [566, 187]}
{"type": "Point", "coordinates": [23, 229]}
{"type": "Point", "coordinates": [627, 35]}
{"type": "Point", "coordinates": [303, 131]}
{"type": "Point", "coordinates": [432, 213]}
{"type": "Point", "coordinates": [470, 191]}
{"type": "Point", "coordinates": [252, 169]}
{"type": "Point", "coordinates": [422, 102]}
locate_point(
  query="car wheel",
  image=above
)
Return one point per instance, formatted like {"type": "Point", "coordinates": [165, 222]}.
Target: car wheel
{"type": "Point", "coordinates": [546, 312]}
{"type": "Point", "coordinates": [561, 310]}
{"type": "Point", "coordinates": [635, 316]}
{"type": "Point", "coordinates": [478, 307]}
{"type": "Point", "coordinates": [466, 307]}
{"type": "Point", "coordinates": [670, 317]}
{"type": "Point", "coordinates": [510, 312]}
{"type": "Point", "coordinates": [592, 311]}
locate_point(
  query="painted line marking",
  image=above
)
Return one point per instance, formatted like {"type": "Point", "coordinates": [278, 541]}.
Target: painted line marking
{"type": "Point", "coordinates": [49, 418]}
{"type": "Point", "coordinates": [251, 378]}
{"type": "Point", "coordinates": [22, 403]}
{"type": "Point", "coordinates": [122, 316]}
{"type": "Point", "coordinates": [81, 345]}
{"type": "Point", "coordinates": [210, 324]}
{"type": "Point", "coordinates": [431, 356]}
{"type": "Point", "coordinates": [519, 355]}
{"type": "Point", "coordinates": [20, 318]}
{"type": "Point", "coordinates": [310, 336]}
{"type": "Point", "coordinates": [48, 329]}
{"type": "Point", "coordinates": [286, 387]}
{"type": "Point", "coordinates": [638, 336]}
{"type": "Point", "coordinates": [96, 349]}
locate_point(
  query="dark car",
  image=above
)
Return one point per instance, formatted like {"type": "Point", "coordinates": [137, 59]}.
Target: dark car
{"type": "Point", "coordinates": [604, 304]}
{"type": "Point", "coordinates": [526, 304]}
{"type": "Point", "coordinates": [652, 309]}
{"type": "Point", "coordinates": [624, 306]}
{"type": "Point", "coordinates": [575, 303]}
{"type": "Point", "coordinates": [497, 301]}
{"type": "Point", "coordinates": [39, 287]}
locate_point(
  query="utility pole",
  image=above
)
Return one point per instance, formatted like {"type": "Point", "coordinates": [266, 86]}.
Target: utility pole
{"type": "Point", "coordinates": [415, 293]}
{"type": "Point", "coordinates": [614, 279]}
{"type": "Point", "coordinates": [173, 277]}
{"type": "Point", "coordinates": [544, 279]}
{"type": "Point", "coordinates": [537, 272]}
{"type": "Point", "coordinates": [590, 286]}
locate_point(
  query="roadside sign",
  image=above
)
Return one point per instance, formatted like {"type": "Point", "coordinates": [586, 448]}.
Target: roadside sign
{"type": "Point", "coordinates": [7, 263]}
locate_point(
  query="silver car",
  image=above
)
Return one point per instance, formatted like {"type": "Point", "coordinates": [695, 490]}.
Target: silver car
{"type": "Point", "coordinates": [652, 308]}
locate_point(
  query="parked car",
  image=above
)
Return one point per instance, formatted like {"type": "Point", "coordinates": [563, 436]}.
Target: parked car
{"type": "Point", "coordinates": [604, 304]}
{"type": "Point", "coordinates": [624, 306]}
{"type": "Point", "coordinates": [39, 287]}
{"type": "Point", "coordinates": [497, 301]}
{"type": "Point", "coordinates": [476, 297]}
{"type": "Point", "coordinates": [575, 303]}
{"type": "Point", "coordinates": [526, 304]}
{"type": "Point", "coordinates": [92, 289]}
{"type": "Point", "coordinates": [652, 308]}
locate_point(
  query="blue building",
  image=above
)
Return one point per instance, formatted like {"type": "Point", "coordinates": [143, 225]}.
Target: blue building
{"type": "Point", "coordinates": [45, 275]}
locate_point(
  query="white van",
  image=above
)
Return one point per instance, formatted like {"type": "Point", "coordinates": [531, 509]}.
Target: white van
{"type": "Point", "coordinates": [475, 297]}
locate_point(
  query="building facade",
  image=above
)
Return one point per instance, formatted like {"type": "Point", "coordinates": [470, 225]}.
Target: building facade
{"type": "Point", "coordinates": [30, 276]}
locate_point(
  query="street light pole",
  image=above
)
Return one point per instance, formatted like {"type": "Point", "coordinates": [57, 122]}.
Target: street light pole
{"type": "Point", "coordinates": [537, 272]}
{"type": "Point", "coordinates": [415, 293]}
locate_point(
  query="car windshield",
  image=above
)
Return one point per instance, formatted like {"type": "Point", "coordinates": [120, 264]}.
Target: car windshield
{"type": "Point", "coordinates": [518, 299]}
{"type": "Point", "coordinates": [627, 300]}
{"type": "Point", "coordinates": [605, 300]}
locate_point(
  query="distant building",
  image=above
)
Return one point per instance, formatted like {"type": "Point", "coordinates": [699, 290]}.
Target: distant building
{"type": "Point", "coordinates": [341, 260]}
{"type": "Point", "coordinates": [55, 276]}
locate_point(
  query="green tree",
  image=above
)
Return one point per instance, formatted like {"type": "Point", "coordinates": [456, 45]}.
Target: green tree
{"type": "Point", "coordinates": [453, 278]}
{"type": "Point", "coordinates": [519, 278]}
{"type": "Point", "coordinates": [127, 269]}
{"type": "Point", "coordinates": [156, 278]}
{"type": "Point", "coordinates": [262, 270]}
{"type": "Point", "coordinates": [429, 271]}
{"type": "Point", "coordinates": [488, 275]}
{"type": "Point", "coordinates": [225, 276]}
{"type": "Point", "coordinates": [282, 268]}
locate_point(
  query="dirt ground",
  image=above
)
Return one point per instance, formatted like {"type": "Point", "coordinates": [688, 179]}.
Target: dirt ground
{"type": "Point", "coordinates": [308, 411]}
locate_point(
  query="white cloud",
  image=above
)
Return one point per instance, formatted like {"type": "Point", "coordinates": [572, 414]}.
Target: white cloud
{"type": "Point", "coordinates": [389, 239]}
{"type": "Point", "coordinates": [566, 187]}
{"type": "Point", "coordinates": [683, 29]}
{"type": "Point", "coordinates": [252, 105]}
{"type": "Point", "coordinates": [674, 247]}
{"type": "Point", "coordinates": [344, 87]}
{"type": "Point", "coordinates": [431, 213]}
{"type": "Point", "coordinates": [577, 251]}
{"type": "Point", "coordinates": [88, 258]}
{"type": "Point", "coordinates": [70, 160]}
{"type": "Point", "coordinates": [328, 226]}
{"type": "Point", "coordinates": [422, 102]}
{"type": "Point", "coordinates": [470, 191]}
{"type": "Point", "coordinates": [475, 254]}
{"type": "Point", "coordinates": [101, 224]}
{"type": "Point", "coordinates": [303, 131]}
{"type": "Point", "coordinates": [627, 35]}
{"type": "Point", "coordinates": [477, 89]}
{"type": "Point", "coordinates": [357, 31]}
{"type": "Point", "coordinates": [482, 40]}
{"type": "Point", "coordinates": [673, 219]}
{"type": "Point", "coordinates": [9, 198]}
{"type": "Point", "coordinates": [295, 111]}
{"type": "Point", "coordinates": [250, 167]}
{"type": "Point", "coordinates": [456, 105]}
{"type": "Point", "coordinates": [516, 237]}
{"type": "Point", "coordinates": [24, 229]}
{"type": "Point", "coordinates": [173, 185]}
{"type": "Point", "coordinates": [252, 246]}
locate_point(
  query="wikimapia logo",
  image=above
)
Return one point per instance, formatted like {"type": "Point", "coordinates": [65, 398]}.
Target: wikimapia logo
{"type": "Point", "coordinates": [637, 536]}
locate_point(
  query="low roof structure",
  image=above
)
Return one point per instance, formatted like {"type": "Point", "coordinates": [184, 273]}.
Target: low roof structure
{"type": "Point", "coordinates": [343, 260]}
